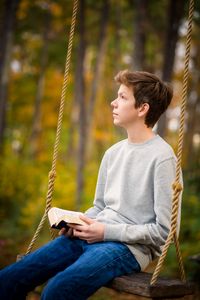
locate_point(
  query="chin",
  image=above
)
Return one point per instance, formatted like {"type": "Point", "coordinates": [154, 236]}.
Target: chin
{"type": "Point", "coordinates": [118, 124]}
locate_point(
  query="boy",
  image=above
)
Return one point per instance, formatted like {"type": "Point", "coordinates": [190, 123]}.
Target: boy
{"type": "Point", "coordinates": [130, 219]}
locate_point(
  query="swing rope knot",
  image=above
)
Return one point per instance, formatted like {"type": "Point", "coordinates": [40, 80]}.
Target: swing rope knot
{"type": "Point", "coordinates": [177, 186]}
{"type": "Point", "coordinates": [52, 174]}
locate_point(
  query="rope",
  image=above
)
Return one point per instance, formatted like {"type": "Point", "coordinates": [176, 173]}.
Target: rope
{"type": "Point", "coordinates": [172, 236]}
{"type": "Point", "coordinates": [52, 173]}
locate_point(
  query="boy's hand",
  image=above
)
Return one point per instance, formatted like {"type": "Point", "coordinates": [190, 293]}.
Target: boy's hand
{"type": "Point", "coordinates": [92, 231]}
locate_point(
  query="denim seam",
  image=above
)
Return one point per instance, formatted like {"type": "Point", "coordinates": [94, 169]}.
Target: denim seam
{"type": "Point", "coordinates": [115, 259]}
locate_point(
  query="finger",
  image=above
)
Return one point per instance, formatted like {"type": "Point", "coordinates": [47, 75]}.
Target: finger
{"type": "Point", "coordinates": [77, 227]}
{"type": "Point", "coordinates": [80, 234]}
{"type": "Point", "coordinates": [62, 231]}
{"type": "Point", "coordinates": [69, 232]}
{"type": "Point", "coordinates": [86, 219]}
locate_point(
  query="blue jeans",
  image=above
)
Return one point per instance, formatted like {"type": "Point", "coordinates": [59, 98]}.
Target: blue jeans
{"type": "Point", "coordinates": [74, 268]}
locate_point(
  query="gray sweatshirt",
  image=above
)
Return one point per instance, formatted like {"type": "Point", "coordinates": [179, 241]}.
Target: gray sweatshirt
{"type": "Point", "coordinates": [133, 196]}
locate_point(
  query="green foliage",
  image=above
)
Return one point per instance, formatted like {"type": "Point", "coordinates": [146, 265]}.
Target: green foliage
{"type": "Point", "coordinates": [20, 185]}
{"type": "Point", "coordinates": [190, 234]}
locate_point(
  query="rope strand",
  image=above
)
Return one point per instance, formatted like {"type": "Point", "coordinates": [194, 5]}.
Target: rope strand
{"type": "Point", "coordinates": [52, 173]}
{"type": "Point", "coordinates": [176, 185]}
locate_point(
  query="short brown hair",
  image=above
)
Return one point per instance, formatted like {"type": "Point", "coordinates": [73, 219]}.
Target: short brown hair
{"type": "Point", "coordinates": [147, 88]}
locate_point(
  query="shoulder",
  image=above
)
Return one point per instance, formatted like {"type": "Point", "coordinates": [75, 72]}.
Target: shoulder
{"type": "Point", "coordinates": [164, 147]}
{"type": "Point", "coordinates": [164, 151]}
{"type": "Point", "coordinates": [116, 147]}
{"type": "Point", "coordinates": [113, 150]}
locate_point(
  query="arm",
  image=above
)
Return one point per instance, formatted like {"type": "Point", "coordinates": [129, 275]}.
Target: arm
{"type": "Point", "coordinates": [99, 204]}
{"type": "Point", "coordinates": [154, 233]}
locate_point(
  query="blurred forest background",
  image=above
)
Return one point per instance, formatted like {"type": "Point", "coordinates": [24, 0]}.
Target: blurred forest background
{"type": "Point", "coordinates": [110, 35]}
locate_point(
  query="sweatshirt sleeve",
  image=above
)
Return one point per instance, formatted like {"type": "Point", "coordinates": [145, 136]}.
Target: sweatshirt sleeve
{"type": "Point", "coordinates": [98, 204]}
{"type": "Point", "coordinates": [154, 233]}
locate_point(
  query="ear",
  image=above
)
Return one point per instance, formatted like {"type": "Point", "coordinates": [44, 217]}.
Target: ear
{"type": "Point", "coordinates": [143, 109]}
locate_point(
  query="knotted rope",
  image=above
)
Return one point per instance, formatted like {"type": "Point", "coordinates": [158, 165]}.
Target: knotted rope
{"type": "Point", "coordinates": [52, 173]}
{"type": "Point", "coordinates": [177, 188]}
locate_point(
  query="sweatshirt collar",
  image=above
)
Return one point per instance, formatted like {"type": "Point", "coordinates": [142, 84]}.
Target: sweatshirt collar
{"type": "Point", "coordinates": [131, 144]}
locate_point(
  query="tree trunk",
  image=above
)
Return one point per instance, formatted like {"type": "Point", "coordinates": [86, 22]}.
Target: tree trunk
{"type": "Point", "coordinates": [98, 65]}
{"type": "Point", "coordinates": [118, 47]}
{"type": "Point", "coordinates": [175, 13]}
{"type": "Point", "coordinates": [7, 28]}
{"type": "Point", "coordinates": [80, 99]}
{"type": "Point", "coordinates": [36, 128]}
{"type": "Point", "coordinates": [140, 29]}
{"type": "Point", "coordinates": [190, 154]}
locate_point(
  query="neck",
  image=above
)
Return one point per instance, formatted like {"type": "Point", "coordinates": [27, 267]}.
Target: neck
{"type": "Point", "coordinates": [139, 133]}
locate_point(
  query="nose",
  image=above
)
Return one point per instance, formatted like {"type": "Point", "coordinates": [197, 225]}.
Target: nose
{"type": "Point", "coordinates": [114, 103]}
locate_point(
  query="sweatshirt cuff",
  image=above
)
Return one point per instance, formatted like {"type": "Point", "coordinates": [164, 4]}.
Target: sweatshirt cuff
{"type": "Point", "coordinates": [91, 213]}
{"type": "Point", "coordinates": [113, 232]}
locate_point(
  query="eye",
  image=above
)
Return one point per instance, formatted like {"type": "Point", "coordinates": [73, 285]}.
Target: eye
{"type": "Point", "coordinates": [121, 96]}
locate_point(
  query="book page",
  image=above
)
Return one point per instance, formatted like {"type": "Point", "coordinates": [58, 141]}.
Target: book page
{"type": "Point", "coordinates": [61, 212]}
{"type": "Point", "coordinates": [58, 215]}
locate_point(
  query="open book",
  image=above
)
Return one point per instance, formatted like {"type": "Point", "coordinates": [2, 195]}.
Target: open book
{"type": "Point", "coordinates": [59, 218]}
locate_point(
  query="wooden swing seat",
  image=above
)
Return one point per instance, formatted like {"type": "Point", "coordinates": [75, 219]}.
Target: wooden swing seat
{"type": "Point", "coordinates": [138, 284]}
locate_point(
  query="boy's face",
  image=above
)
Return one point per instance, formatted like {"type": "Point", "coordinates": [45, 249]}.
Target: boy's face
{"type": "Point", "coordinates": [124, 112]}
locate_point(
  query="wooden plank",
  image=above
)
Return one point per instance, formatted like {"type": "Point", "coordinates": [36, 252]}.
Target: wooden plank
{"type": "Point", "coordinates": [139, 284]}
